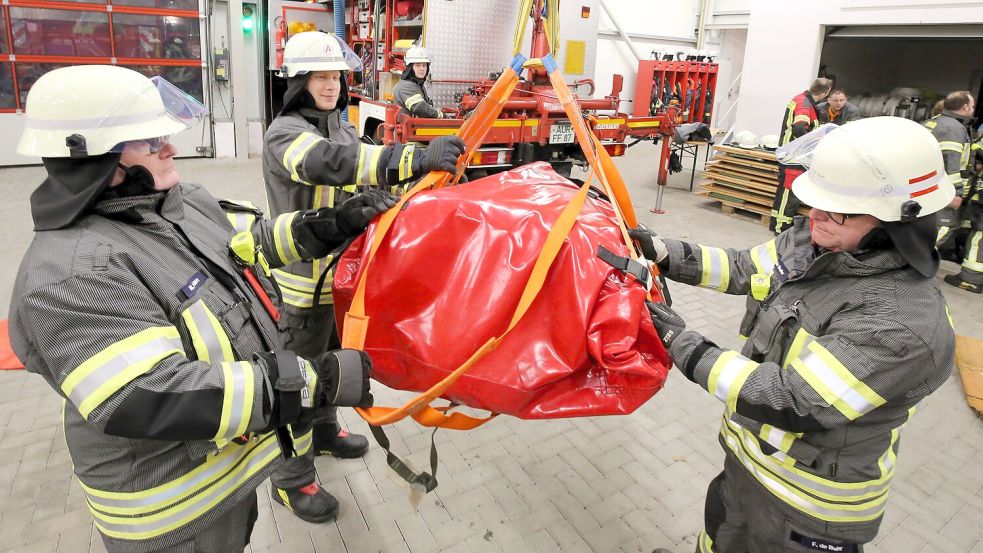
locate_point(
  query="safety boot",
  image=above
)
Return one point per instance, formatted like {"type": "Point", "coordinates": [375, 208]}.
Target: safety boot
{"type": "Point", "coordinates": [341, 443]}
{"type": "Point", "coordinates": [310, 502]}
{"type": "Point", "coordinates": [960, 283]}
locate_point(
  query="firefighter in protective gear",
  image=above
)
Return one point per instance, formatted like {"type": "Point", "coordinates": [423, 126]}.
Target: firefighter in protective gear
{"type": "Point", "coordinates": [410, 94]}
{"type": "Point", "coordinates": [313, 158]}
{"type": "Point", "coordinates": [846, 333]}
{"type": "Point", "coordinates": [965, 212]}
{"type": "Point", "coordinates": [147, 304]}
{"type": "Point", "coordinates": [801, 116]}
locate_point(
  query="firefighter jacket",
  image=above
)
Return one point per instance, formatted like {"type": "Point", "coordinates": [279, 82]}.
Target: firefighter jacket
{"type": "Point", "coordinates": [839, 350]}
{"type": "Point", "coordinates": [140, 317]}
{"type": "Point", "coordinates": [849, 113]}
{"type": "Point", "coordinates": [412, 99]}
{"type": "Point", "coordinates": [950, 130]}
{"type": "Point", "coordinates": [801, 116]}
{"type": "Point", "coordinates": [313, 159]}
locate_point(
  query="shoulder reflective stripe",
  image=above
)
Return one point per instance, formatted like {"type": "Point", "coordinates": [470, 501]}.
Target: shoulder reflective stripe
{"type": "Point", "coordinates": [716, 268]}
{"type": "Point", "coordinates": [302, 443]}
{"type": "Point", "coordinates": [237, 403]}
{"type": "Point", "coordinates": [108, 371]}
{"type": "Point", "coordinates": [833, 381]}
{"type": "Point", "coordinates": [413, 100]}
{"type": "Point", "coordinates": [834, 511]}
{"type": "Point", "coordinates": [368, 163]}
{"type": "Point", "coordinates": [728, 374]}
{"type": "Point", "coordinates": [294, 155]}
{"type": "Point", "coordinates": [931, 124]}
{"type": "Point", "coordinates": [948, 316]}
{"type": "Point", "coordinates": [970, 261]}
{"type": "Point", "coordinates": [210, 340]}
{"type": "Point", "coordinates": [241, 221]}
{"type": "Point", "coordinates": [406, 163]}
{"type": "Point", "coordinates": [283, 238]}
{"type": "Point", "coordinates": [800, 119]}
{"type": "Point", "coordinates": [143, 523]}
{"type": "Point", "coordinates": [951, 146]}
{"type": "Point", "coordinates": [704, 542]}
{"type": "Point", "coordinates": [765, 257]}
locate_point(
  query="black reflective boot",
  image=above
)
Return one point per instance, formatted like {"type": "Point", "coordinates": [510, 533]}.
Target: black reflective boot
{"type": "Point", "coordinates": [310, 502]}
{"type": "Point", "coordinates": [960, 283]}
{"type": "Point", "coordinates": [332, 440]}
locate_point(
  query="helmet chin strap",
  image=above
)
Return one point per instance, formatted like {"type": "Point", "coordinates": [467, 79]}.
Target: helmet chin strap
{"type": "Point", "coordinates": [137, 181]}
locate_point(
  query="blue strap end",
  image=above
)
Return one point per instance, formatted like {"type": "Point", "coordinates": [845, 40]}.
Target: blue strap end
{"type": "Point", "coordinates": [549, 63]}
{"type": "Point", "coordinates": [517, 62]}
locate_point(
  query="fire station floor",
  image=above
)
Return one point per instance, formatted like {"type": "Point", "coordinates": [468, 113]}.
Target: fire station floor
{"type": "Point", "coordinates": [615, 484]}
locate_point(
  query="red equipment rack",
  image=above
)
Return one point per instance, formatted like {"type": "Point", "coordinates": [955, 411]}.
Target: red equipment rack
{"type": "Point", "coordinates": [692, 84]}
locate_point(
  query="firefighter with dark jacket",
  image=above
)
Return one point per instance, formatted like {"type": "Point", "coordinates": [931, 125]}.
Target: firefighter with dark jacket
{"type": "Point", "coordinates": [966, 209]}
{"type": "Point", "coordinates": [147, 304]}
{"type": "Point", "coordinates": [801, 116]}
{"type": "Point", "coordinates": [410, 94]}
{"type": "Point", "coordinates": [846, 333]}
{"type": "Point", "coordinates": [312, 158]}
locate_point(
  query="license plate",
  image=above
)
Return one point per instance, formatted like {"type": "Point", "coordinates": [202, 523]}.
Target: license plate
{"type": "Point", "coordinates": [561, 133]}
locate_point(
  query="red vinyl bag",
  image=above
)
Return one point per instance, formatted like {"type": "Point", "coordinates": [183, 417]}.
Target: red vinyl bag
{"type": "Point", "coordinates": [448, 275]}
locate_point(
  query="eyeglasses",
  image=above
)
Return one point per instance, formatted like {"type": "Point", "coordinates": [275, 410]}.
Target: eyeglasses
{"type": "Point", "coordinates": [838, 218]}
{"type": "Point", "coordinates": [156, 144]}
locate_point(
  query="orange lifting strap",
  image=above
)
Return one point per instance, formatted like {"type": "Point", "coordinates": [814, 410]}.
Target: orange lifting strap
{"type": "Point", "coordinates": [472, 133]}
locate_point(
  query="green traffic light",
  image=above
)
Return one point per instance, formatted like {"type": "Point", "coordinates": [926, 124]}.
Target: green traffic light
{"type": "Point", "coordinates": [247, 24]}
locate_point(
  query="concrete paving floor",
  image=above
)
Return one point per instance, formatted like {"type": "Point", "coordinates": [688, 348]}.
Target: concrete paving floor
{"type": "Point", "coordinates": [613, 484]}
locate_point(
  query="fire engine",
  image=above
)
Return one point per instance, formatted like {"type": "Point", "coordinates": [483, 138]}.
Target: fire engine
{"type": "Point", "coordinates": [469, 43]}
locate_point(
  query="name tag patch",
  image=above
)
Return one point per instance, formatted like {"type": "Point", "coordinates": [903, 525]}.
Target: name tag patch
{"type": "Point", "coordinates": [196, 281]}
{"type": "Point", "coordinates": [822, 544]}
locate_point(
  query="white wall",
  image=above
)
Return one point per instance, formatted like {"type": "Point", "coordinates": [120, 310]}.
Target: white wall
{"type": "Point", "coordinates": [651, 26]}
{"type": "Point", "coordinates": [731, 62]}
{"type": "Point", "coordinates": [784, 43]}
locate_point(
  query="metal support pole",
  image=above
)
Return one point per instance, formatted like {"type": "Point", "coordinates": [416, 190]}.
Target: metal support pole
{"type": "Point", "coordinates": [237, 68]}
{"type": "Point", "coordinates": [663, 176]}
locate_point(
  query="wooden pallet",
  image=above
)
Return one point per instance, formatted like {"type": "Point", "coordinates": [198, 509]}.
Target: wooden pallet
{"type": "Point", "coordinates": [732, 206]}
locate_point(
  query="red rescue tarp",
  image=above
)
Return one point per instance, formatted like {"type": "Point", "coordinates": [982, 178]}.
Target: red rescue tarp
{"type": "Point", "coordinates": [8, 360]}
{"type": "Point", "coordinates": [450, 272]}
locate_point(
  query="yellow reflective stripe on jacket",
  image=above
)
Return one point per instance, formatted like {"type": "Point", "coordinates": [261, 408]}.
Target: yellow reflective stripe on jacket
{"type": "Point", "coordinates": [241, 221]}
{"type": "Point", "coordinates": [801, 119]}
{"type": "Point", "coordinates": [704, 543]}
{"type": "Point", "coordinates": [293, 157]}
{"type": "Point", "coordinates": [237, 401]}
{"type": "Point", "coordinates": [368, 163]}
{"type": "Point", "coordinates": [951, 146]}
{"type": "Point", "coordinates": [716, 268]}
{"type": "Point", "coordinates": [815, 496]}
{"type": "Point", "coordinates": [727, 376]}
{"type": "Point", "coordinates": [298, 291]}
{"type": "Point", "coordinates": [830, 378]}
{"type": "Point", "coordinates": [107, 372]}
{"type": "Point", "coordinates": [151, 513]}
{"type": "Point", "coordinates": [283, 238]}
{"type": "Point", "coordinates": [779, 439]}
{"type": "Point", "coordinates": [209, 339]}
{"type": "Point", "coordinates": [406, 162]}
{"type": "Point", "coordinates": [765, 257]}
{"type": "Point", "coordinates": [413, 100]}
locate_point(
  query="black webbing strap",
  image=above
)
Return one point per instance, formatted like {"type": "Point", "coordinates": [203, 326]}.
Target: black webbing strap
{"type": "Point", "coordinates": [624, 264]}
{"type": "Point", "coordinates": [324, 274]}
{"type": "Point", "coordinates": [424, 481]}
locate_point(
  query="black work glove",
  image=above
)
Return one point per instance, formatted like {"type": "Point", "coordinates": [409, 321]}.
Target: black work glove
{"type": "Point", "coordinates": [357, 212]}
{"type": "Point", "coordinates": [345, 374]}
{"type": "Point", "coordinates": [667, 323]}
{"type": "Point", "coordinates": [440, 155]}
{"type": "Point", "coordinates": [653, 248]}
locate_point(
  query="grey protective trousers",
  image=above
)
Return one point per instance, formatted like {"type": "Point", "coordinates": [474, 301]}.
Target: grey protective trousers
{"type": "Point", "coordinates": [742, 517]}
{"type": "Point", "coordinates": [308, 337]}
